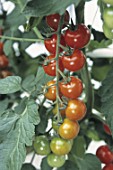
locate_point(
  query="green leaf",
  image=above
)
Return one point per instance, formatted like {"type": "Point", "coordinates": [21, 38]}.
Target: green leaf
{"type": "Point", "coordinates": [13, 147]}
{"type": "Point", "coordinates": [29, 83]}
{"type": "Point", "coordinates": [28, 166]}
{"type": "Point", "coordinates": [93, 134]}
{"type": "Point", "coordinates": [38, 9]}
{"type": "Point", "coordinates": [3, 105]}
{"type": "Point", "coordinates": [8, 47]}
{"type": "Point", "coordinates": [69, 165]}
{"type": "Point", "coordinates": [21, 3]}
{"type": "Point", "coordinates": [44, 164]}
{"type": "Point", "coordinates": [10, 84]}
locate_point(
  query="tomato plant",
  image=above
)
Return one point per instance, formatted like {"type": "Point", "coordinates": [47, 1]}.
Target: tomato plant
{"type": "Point", "coordinates": [108, 31]}
{"type": "Point", "coordinates": [108, 17]}
{"type": "Point", "coordinates": [1, 48]}
{"type": "Point", "coordinates": [108, 2]}
{"type": "Point", "coordinates": [3, 61]}
{"type": "Point", "coordinates": [108, 167]}
{"type": "Point", "coordinates": [107, 129]}
{"type": "Point", "coordinates": [51, 90]}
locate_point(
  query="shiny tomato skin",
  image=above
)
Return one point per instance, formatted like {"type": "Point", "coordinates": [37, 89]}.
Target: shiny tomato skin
{"type": "Point", "coordinates": [1, 48]}
{"type": "Point", "coordinates": [3, 61]}
{"type": "Point", "coordinates": [107, 129]}
{"type": "Point", "coordinates": [76, 110]}
{"type": "Point", "coordinates": [56, 160]}
{"type": "Point", "coordinates": [108, 17]}
{"type": "Point", "coordinates": [108, 31]}
{"type": "Point", "coordinates": [50, 68]}
{"type": "Point", "coordinates": [69, 129]}
{"type": "Point", "coordinates": [50, 43]}
{"type": "Point", "coordinates": [78, 38]}
{"type": "Point", "coordinates": [53, 20]}
{"type": "Point", "coordinates": [71, 89]}
{"type": "Point", "coordinates": [60, 146]}
{"type": "Point", "coordinates": [75, 61]}
{"type": "Point", "coordinates": [51, 91]}
{"type": "Point", "coordinates": [108, 167]}
{"type": "Point", "coordinates": [104, 154]}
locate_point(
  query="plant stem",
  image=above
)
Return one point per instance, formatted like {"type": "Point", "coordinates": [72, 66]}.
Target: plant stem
{"type": "Point", "coordinates": [37, 32]}
{"type": "Point", "coordinates": [32, 159]}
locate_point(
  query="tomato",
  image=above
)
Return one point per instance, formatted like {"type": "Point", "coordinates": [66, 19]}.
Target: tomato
{"type": "Point", "coordinates": [51, 91]}
{"type": "Point", "coordinates": [104, 154]}
{"type": "Point", "coordinates": [108, 2]}
{"type": "Point", "coordinates": [3, 61]}
{"type": "Point", "coordinates": [50, 67]}
{"type": "Point", "coordinates": [56, 160]}
{"type": "Point", "coordinates": [55, 125]}
{"type": "Point", "coordinates": [77, 38]}
{"type": "Point", "coordinates": [1, 48]}
{"type": "Point", "coordinates": [108, 17]}
{"type": "Point", "coordinates": [71, 89]}
{"type": "Point", "coordinates": [60, 146]}
{"type": "Point", "coordinates": [50, 43]}
{"type": "Point", "coordinates": [5, 73]}
{"type": "Point", "coordinates": [107, 129]}
{"type": "Point", "coordinates": [41, 145]}
{"type": "Point", "coordinates": [75, 110]}
{"type": "Point", "coordinates": [61, 109]}
{"type": "Point", "coordinates": [53, 20]}
{"type": "Point", "coordinates": [75, 61]}
{"type": "Point", "coordinates": [108, 167]}
{"type": "Point", "coordinates": [107, 31]}
{"type": "Point", "coordinates": [69, 129]}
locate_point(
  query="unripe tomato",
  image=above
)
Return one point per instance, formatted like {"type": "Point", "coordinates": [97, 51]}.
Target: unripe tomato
{"type": "Point", "coordinates": [41, 145]}
{"type": "Point", "coordinates": [3, 61]}
{"type": "Point", "coordinates": [75, 110]}
{"type": "Point", "coordinates": [50, 43]}
{"type": "Point", "coordinates": [77, 38]}
{"type": "Point", "coordinates": [108, 2]}
{"type": "Point", "coordinates": [108, 31]}
{"type": "Point", "coordinates": [60, 146]}
{"type": "Point", "coordinates": [50, 67]}
{"type": "Point", "coordinates": [75, 61]}
{"type": "Point", "coordinates": [53, 20]}
{"type": "Point", "coordinates": [108, 167]}
{"type": "Point", "coordinates": [69, 129]}
{"type": "Point", "coordinates": [107, 129]}
{"type": "Point", "coordinates": [5, 73]}
{"type": "Point", "coordinates": [51, 91]}
{"type": "Point", "coordinates": [108, 17]}
{"type": "Point", "coordinates": [56, 160]}
{"type": "Point", "coordinates": [1, 48]}
{"type": "Point", "coordinates": [55, 125]}
{"type": "Point", "coordinates": [71, 89]}
{"type": "Point", "coordinates": [104, 154]}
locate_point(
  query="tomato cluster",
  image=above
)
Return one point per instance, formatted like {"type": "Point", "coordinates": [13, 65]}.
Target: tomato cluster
{"type": "Point", "coordinates": [108, 19]}
{"type": "Point", "coordinates": [105, 155]}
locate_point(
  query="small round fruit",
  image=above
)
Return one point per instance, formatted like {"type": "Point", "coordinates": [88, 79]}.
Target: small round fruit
{"type": "Point", "coordinates": [3, 61]}
{"type": "Point", "coordinates": [1, 48]}
{"type": "Point", "coordinates": [51, 90]}
{"type": "Point", "coordinates": [108, 167]}
{"type": "Point", "coordinates": [107, 31]}
{"type": "Point", "coordinates": [56, 160]}
{"type": "Point", "coordinates": [41, 145]}
{"type": "Point", "coordinates": [104, 154]}
{"type": "Point", "coordinates": [107, 129]}
{"type": "Point", "coordinates": [108, 17]}
{"type": "Point", "coordinates": [60, 146]}
{"type": "Point", "coordinates": [69, 129]}
{"type": "Point", "coordinates": [76, 110]}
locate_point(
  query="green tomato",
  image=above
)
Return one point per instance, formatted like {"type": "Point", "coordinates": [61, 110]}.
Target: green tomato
{"type": "Point", "coordinates": [55, 160]}
{"type": "Point", "coordinates": [41, 145]}
{"type": "Point", "coordinates": [108, 2]}
{"type": "Point", "coordinates": [108, 17]}
{"type": "Point", "coordinates": [60, 146]}
{"type": "Point", "coordinates": [107, 31]}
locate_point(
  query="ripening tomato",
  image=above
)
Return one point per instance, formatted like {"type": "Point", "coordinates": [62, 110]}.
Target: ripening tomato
{"type": "Point", "coordinates": [60, 146]}
{"type": "Point", "coordinates": [1, 48]}
{"type": "Point", "coordinates": [51, 90]}
{"type": "Point", "coordinates": [108, 2]}
{"type": "Point", "coordinates": [104, 154]}
{"type": "Point", "coordinates": [69, 129]}
{"type": "Point", "coordinates": [53, 20]}
{"type": "Point", "coordinates": [5, 73]}
{"type": "Point", "coordinates": [77, 38]}
{"type": "Point", "coordinates": [108, 17]}
{"type": "Point", "coordinates": [3, 61]}
{"type": "Point", "coordinates": [108, 167]}
{"type": "Point", "coordinates": [75, 61]}
{"type": "Point", "coordinates": [107, 129]}
{"type": "Point", "coordinates": [41, 145]}
{"type": "Point", "coordinates": [56, 160]}
{"type": "Point", "coordinates": [108, 31]}
{"type": "Point", "coordinates": [50, 66]}
{"type": "Point", "coordinates": [75, 110]}
{"type": "Point", "coordinates": [50, 43]}
{"type": "Point", "coordinates": [71, 89]}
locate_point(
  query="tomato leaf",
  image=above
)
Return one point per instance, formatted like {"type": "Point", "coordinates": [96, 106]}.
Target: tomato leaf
{"type": "Point", "coordinates": [29, 83]}
{"type": "Point", "coordinates": [3, 106]}
{"type": "Point", "coordinates": [10, 84]}
{"type": "Point", "coordinates": [68, 165]}
{"type": "Point", "coordinates": [13, 147]}
{"type": "Point", "coordinates": [28, 166]}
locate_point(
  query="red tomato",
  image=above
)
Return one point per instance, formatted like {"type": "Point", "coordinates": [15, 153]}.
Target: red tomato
{"type": "Point", "coordinates": [50, 68]}
{"type": "Point", "coordinates": [72, 89]}
{"type": "Point", "coordinates": [104, 154]}
{"type": "Point", "coordinates": [75, 110]}
{"type": "Point", "coordinates": [53, 20]}
{"type": "Point", "coordinates": [75, 61]}
{"type": "Point", "coordinates": [50, 43]}
{"type": "Point", "coordinates": [51, 91]}
{"type": "Point", "coordinates": [78, 38]}
{"type": "Point", "coordinates": [3, 61]}
{"type": "Point", "coordinates": [5, 73]}
{"type": "Point", "coordinates": [108, 167]}
{"type": "Point", "coordinates": [1, 48]}
{"type": "Point", "coordinates": [107, 129]}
